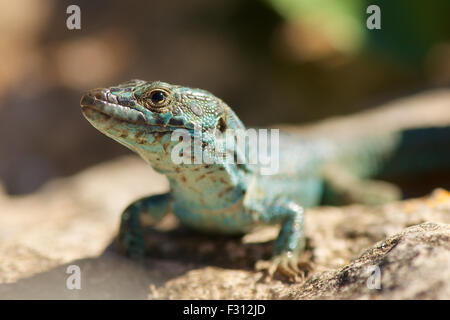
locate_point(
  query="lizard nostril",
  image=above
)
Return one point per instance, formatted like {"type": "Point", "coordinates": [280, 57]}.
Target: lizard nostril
{"type": "Point", "coordinates": [100, 94]}
{"type": "Point", "coordinates": [111, 98]}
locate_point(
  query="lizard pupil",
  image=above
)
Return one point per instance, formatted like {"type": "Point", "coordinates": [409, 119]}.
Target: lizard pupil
{"type": "Point", "coordinates": [157, 97]}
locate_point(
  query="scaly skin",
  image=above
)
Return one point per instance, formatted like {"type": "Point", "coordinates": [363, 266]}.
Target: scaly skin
{"type": "Point", "coordinates": [226, 197]}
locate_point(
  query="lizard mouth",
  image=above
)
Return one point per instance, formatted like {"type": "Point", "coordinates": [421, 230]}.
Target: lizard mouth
{"type": "Point", "coordinates": [101, 101]}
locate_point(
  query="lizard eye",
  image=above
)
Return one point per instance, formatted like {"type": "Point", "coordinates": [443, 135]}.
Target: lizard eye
{"type": "Point", "coordinates": [157, 98]}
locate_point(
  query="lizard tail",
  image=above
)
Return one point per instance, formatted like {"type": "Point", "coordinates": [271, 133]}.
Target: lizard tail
{"type": "Point", "coordinates": [417, 160]}
{"type": "Point", "coordinates": [418, 151]}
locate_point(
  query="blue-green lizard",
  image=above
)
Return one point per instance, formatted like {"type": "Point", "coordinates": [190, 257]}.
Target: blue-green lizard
{"type": "Point", "coordinates": [231, 197]}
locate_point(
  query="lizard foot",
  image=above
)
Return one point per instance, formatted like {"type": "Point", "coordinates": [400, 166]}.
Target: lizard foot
{"type": "Point", "coordinates": [286, 264]}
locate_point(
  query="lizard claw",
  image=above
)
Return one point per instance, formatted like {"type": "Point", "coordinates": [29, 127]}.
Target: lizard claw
{"type": "Point", "coordinates": [286, 264]}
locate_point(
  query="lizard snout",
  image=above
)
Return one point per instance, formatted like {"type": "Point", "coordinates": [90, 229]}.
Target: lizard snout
{"type": "Point", "coordinates": [89, 98]}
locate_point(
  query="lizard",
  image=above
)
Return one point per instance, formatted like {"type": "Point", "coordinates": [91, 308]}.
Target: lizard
{"type": "Point", "coordinates": [233, 197]}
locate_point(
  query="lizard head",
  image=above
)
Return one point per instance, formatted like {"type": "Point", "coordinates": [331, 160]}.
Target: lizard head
{"type": "Point", "coordinates": [143, 115]}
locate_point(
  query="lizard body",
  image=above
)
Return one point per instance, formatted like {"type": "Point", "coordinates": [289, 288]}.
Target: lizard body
{"type": "Point", "coordinates": [225, 196]}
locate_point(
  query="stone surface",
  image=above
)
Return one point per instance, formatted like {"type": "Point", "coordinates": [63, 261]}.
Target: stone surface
{"type": "Point", "coordinates": [73, 221]}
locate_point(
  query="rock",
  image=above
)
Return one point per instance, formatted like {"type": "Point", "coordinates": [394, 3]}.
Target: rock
{"type": "Point", "coordinates": [413, 264]}
{"type": "Point", "coordinates": [73, 221]}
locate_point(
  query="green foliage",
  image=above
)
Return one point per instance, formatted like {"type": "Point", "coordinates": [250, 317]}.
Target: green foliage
{"type": "Point", "coordinates": [409, 28]}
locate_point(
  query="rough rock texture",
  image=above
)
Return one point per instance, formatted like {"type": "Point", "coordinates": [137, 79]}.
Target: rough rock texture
{"type": "Point", "coordinates": [414, 264]}
{"type": "Point", "coordinates": [73, 221]}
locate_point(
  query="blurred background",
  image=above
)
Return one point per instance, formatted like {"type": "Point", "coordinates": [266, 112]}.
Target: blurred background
{"type": "Point", "coordinates": [273, 61]}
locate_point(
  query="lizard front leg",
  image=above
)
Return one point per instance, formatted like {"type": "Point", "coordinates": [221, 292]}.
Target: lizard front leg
{"type": "Point", "coordinates": [290, 241]}
{"type": "Point", "coordinates": [130, 239]}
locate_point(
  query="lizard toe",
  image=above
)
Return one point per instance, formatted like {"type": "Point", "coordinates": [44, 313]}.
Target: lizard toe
{"type": "Point", "coordinates": [287, 265]}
